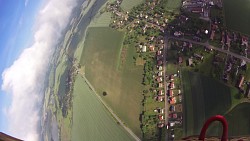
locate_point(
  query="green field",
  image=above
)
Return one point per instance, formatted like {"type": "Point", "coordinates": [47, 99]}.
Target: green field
{"type": "Point", "coordinates": [173, 5]}
{"type": "Point", "coordinates": [240, 114]}
{"type": "Point", "coordinates": [127, 5]}
{"type": "Point", "coordinates": [91, 121]}
{"type": "Point", "coordinates": [204, 97]}
{"type": "Point", "coordinates": [101, 57]}
{"type": "Point", "coordinates": [101, 20]}
{"type": "Point", "coordinates": [237, 15]}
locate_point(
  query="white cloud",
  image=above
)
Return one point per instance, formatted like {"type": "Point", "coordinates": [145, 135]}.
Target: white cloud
{"type": "Point", "coordinates": [24, 79]}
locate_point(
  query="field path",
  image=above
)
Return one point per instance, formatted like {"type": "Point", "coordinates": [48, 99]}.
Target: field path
{"type": "Point", "coordinates": [111, 111]}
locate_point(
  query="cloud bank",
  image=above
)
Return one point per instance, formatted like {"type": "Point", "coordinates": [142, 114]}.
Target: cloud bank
{"type": "Point", "coordinates": [24, 79]}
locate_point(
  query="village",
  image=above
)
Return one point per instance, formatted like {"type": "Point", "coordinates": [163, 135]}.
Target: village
{"type": "Point", "coordinates": [195, 36]}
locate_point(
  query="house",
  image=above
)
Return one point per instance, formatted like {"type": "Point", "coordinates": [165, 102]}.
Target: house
{"type": "Point", "coordinates": [151, 48]}
{"type": "Point", "coordinates": [175, 116]}
{"type": "Point", "coordinates": [160, 92]}
{"type": "Point", "coordinates": [212, 35]}
{"type": "Point", "coordinates": [184, 44]}
{"type": "Point", "coordinates": [180, 98]}
{"type": "Point", "coordinates": [171, 124]}
{"type": "Point", "coordinates": [160, 85]}
{"type": "Point", "coordinates": [172, 100]}
{"type": "Point", "coordinates": [159, 62]}
{"type": "Point", "coordinates": [160, 73]}
{"type": "Point", "coordinates": [197, 10]}
{"type": "Point", "coordinates": [160, 117]}
{"type": "Point", "coordinates": [160, 68]}
{"type": "Point", "coordinates": [190, 61]}
{"type": "Point", "coordinates": [180, 60]}
{"type": "Point", "coordinates": [144, 49]}
{"type": "Point", "coordinates": [177, 34]}
{"type": "Point", "coordinates": [172, 108]}
{"type": "Point", "coordinates": [160, 98]}
{"type": "Point", "coordinates": [244, 40]}
{"type": "Point", "coordinates": [241, 80]}
{"type": "Point", "coordinates": [159, 52]}
{"type": "Point", "coordinates": [170, 93]}
{"type": "Point", "coordinates": [159, 79]}
{"type": "Point", "coordinates": [171, 78]}
{"type": "Point", "coordinates": [200, 57]}
{"type": "Point", "coordinates": [160, 125]}
{"type": "Point", "coordinates": [248, 91]}
{"type": "Point", "coordinates": [171, 85]}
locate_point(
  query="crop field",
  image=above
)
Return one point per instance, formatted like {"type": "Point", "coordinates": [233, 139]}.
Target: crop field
{"type": "Point", "coordinates": [127, 5]}
{"type": "Point", "coordinates": [237, 15]}
{"type": "Point", "coordinates": [101, 57]}
{"type": "Point", "coordinates": [239, 114]}
{"type": "Point", "coordinates": [91, 121]}
{"type": "Point", "coordinates": [102, 20]}
{"type": "Point", "coordinates": [173, 5]}
{"type": "Point", "coordinates": [204, 97]}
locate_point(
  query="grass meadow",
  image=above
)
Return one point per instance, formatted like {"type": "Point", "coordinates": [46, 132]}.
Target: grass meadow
{"type": "Point", "coordinates": [122, 83]}
{"type": "Point", "coordinates": [127, 5]}
{"type": "Point", "coordinates": [237, 15]}
{"type": "Point", "coordinates": [91, 121]}
{"type": "Point", "coordinates": [173, 5]}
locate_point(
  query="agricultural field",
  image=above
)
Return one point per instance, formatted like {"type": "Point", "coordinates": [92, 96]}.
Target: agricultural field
{"type": "Point", "coordinates": [237, 15]}
{"type": "Point", "coordinates": [127, 5]}
{"type": "Point", "coordinates": [91, 121]}
{"type": "Point", "coordinates": [101, 20]}
{"type": "Point", "coordinates": [173, 5]}
{"type": "Point", "coordinates": [204, 97]}
{"type": "Point", "coordinates": [239, 114]}
{"type": "Point", "coordinates": [101, 57]}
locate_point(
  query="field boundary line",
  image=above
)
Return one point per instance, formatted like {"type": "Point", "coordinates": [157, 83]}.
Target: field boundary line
{"type": "Point", "coordinates": [111, 111]}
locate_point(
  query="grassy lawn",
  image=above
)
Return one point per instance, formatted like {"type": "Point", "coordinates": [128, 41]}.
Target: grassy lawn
{"type": "Point", "coordinates": [91, 121]}
{"type": "Point", "coordinates": [204, 97]}
{"type": "Point", "coordinates": [173, 5]}
{"type": "Point", "coordinates": [123, 86]}
{"type": "Point", "coordinates": [127, 5]}
{"type": "Point", "coordinates": [237, 15]}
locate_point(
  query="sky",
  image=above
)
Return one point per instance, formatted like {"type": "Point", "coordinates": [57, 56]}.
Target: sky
{"type": "Point", "coordinates": [30, 30]}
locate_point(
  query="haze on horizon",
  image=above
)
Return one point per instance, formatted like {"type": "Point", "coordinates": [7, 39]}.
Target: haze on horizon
{"type": "Point", "coordinates": [23, 80]}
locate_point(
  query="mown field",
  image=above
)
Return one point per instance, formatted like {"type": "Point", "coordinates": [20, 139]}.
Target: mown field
{"type": "Point", "coordinates": [173, 5]}
{"type": "Point", "coordinates": [127, 5]}
{"type": "Point", "coordinates": [204, 97]}
{"type": "Point", "coordinates": [91, 121]}
{"type": "Point", "coordinates": [101, 59]}
{"type": "Point", "coordinates": [101, 20]}
{"type": "Point", "coordinates": [237, 15]}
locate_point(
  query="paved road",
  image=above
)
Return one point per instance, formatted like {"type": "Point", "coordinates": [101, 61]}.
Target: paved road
{"type": "Point", "coordinates": [213, 47]}
{"type": "Point", "coordinates": [167, 137]}
{"type": "Point", "coordinates": [112, 112]}
{"type": "Point", "coordinates": [164, 75]}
